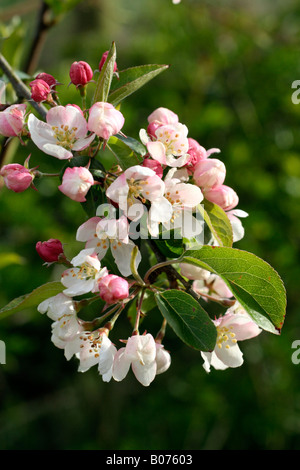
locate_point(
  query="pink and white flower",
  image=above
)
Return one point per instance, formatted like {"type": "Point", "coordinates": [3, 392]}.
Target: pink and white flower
{"type": "Point", "coordinates": [133, 188]}
{"type": "Point", "coordinates": [105, 120]}
{"type": "Point", "coordinates": [100, 234]}
{"type": "Point", "coordinates": [175, 208]}
{"type": "Point", "coordinates": [170, 146]}
{"type": "Point", "coordinates": [83, 277]}
{"type": "Point", "coordinates": [140, 354]}
{"type": "Point", "coordinates": [76, 183]}
{"type": "Point", "coordinates": [65, 131]}
{"type": "Point", "coordinates": [93, 348]}
{"type": "Point", "coordinates": [231, 328]}
{"type": "Point", "coordinates": [12, 120]}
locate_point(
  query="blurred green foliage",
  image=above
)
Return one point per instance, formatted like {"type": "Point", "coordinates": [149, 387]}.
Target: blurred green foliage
{"type": "Point", "coordinates": [232, 67]}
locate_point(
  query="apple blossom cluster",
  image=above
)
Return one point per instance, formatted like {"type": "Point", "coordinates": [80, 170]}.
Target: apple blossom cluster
{"type": "Point", "coordinates": [162, 192]}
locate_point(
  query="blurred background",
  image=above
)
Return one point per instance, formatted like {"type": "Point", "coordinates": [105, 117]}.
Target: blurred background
{"type": "Point", "coordinates": [232, 65]}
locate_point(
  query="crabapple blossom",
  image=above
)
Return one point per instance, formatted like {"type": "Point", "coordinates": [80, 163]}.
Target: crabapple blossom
{"type": "Point", "coordinates": [40, 90]}
{"type": "Point", "coordinates": [113, 288]}
{"type": "Point", "coordinates": [83, 277]}
{"type": "Point", "coordinates": [170, 145]}
{"type": "Point", "coordinates": [194, 272]}
{"type": "Point", "coordinates": [76, 183]}
{"type": "Point", "coordinates": [105, 120]}
{"type": "Point", "coordinates": [16, 177]}
{"type": "Point", "coordinates": [93, 348]}
{"type": "Point", "coordinates": [65, 131]}
{"type": "Point", "coordinates": [80, 73]}
{"type": "Point", "coordinates": [223, 196]}
{"type": "Point", "coordinates": [134, 187]}
{"type": "Point", "coordinates": [209, 173]}
{"type": "Point", "coordinates": [104, 233]}
{"type": "Point", "coordinates": [140, 354]}
{"type": "Point", "coordinates": [50, 250]}
{"type": "Point", "coordinates": [57, 306]}
{"type": "Point", "coordinates": [182, 198]}
{"type": "Point", "coordinates": [231, 328]}
{"type": "Point", "coordinates": [12, 120]}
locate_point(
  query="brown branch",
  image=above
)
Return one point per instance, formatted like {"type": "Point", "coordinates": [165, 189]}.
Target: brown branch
{"type": "Point", "coordinates": [44, 23]}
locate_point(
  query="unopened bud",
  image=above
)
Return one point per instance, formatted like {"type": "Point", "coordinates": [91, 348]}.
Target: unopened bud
{"type": "Point", "coordinates": [105, 120]}
{"type": "Point", "coordinates": [40, 91]}
{"type": "Point", "coordinates": [16, 177]}
{"type": "Point", "coordinates": [223, 196]}
{"type": "Point", "coordinates": [154, 165]}
{"type": "Point", "coordinates": [209, 173]}
{"type": "Point", "coordinates": [12, 120]}
{"type": "Point", "coordinates": [50, 250]}
{"type": "Point", "coordinates": [80, 73]}
{"type": "Point", "coordinates": [49, 79]}
{"type": "Point", "coordinates": [103, 59]}
{"type": "Point", "coordinates": [113, 288]}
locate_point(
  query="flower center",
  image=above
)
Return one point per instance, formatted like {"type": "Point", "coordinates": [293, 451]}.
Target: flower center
{"type": "Point", "coordinates": [94, 342]}
{"type": "Point", "coordinates": [86, 271]}
{"type": "Point", "coordinates": [65, 136]}
{"type": "Point", "coordinates": [225, 337]}
{"type": "Point", "coordinates": [135, 188]}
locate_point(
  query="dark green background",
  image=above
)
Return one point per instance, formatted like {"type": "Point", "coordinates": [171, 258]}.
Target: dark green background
{"type": "Point", "coordinates": [232, 67]}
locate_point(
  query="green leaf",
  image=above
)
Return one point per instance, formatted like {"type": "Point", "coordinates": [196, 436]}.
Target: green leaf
{"type": "Point", "coordinates": [134, 144]}
{"type": "Point", "coordinates": [253, 282]}
{"type": "Point", "coordinates": [188, 319]}
{"type": "Point", "coordinates": [124, 155]}
{"type": "Point", "coordinates": [170, 245]}
{"type": "Point", "coordinates": [218, 223]}
{"type": "Point", "coordinates": [33, 299]}
{"type": "Point", "coordinates": [130, 80]}
{"type": "Point", "coordinates": [105, 76]}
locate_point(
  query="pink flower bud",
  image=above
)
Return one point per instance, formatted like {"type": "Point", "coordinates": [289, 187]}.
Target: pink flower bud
{"type": "Point", "coordinates": [209, 173]}
{"type": "Point", "coordinates": [80, 73]}
{"type": "Point", "coordinates": [152, 128]}
{"type": "Point", "coordinates": [102, 61]}
{"type": "Point", "coordinates": [49, 79]}
{"type": "Point", "coordinates": [16, 177]}
{"type": "Point", "coordinates": [76, 183]}
{"type": "Point", "coordinates": [40, 91]}
{"type": "Point", "coordinates": [223, 196]}
{"type": "Point", "coordinates": [105, 120]}
{"type": "Point", "coordinates": [50, 250]}
{"type": "Point", "coordinates": [164, 116]}
{"type": "Point", "coordinates": [12, 120]}
{"type": "Point", "coordinates": [113, 288]}
{"type": "Point", "coordinates": [154, 165]}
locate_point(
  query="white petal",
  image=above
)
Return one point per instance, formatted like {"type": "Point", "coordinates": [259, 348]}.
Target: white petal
{"type": "Point", "coordinates": [122, 255]}
{"type": "Point", "coordinates": [145, 373]}
{"type": "Point", "coordinates": [121, 365]}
